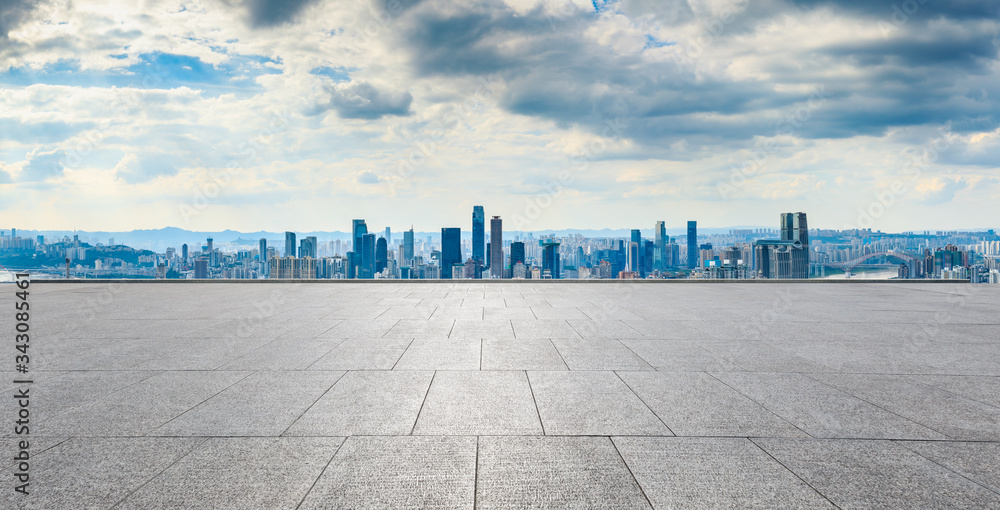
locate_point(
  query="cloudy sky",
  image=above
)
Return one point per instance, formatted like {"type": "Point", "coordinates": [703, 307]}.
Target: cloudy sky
{"type": "Point", "coordinates": [303, 114]}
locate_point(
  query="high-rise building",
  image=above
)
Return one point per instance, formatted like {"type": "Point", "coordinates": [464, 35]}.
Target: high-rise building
{"type": "Point", "coordinates": [408, 247]}
{"type": "Point", "coordinates": [210, 244]}
{"type": "Point", "coordinates": [692, 245]}
{"type": "Point", "coordinates": [516, 253]}
{"type": "Point", "coordinates": [550, 260]}
{"type": "Point", "coordinates": [388, 235]}
{"type": "Point", "coordinates": [261, 256]}
{"type": "Point", "coordinates": [496, 247]}
{"type": "Point", "coordinates": [289, 244]}
{"type": "Point", "coordinates": [787, 257]}
{"type": "Point", "coordinates": [635, 258]}
{"type": "Point", "coordinates": [381, 254]}
{"type": "Point", "coordinates": [358, 230]}
{"type": "Point", "coordinates": [478, 235]}
{"type": "Point", "coordinates": [184, 253]}
{"type": "Point", "coordinates": [308, 247]}
{"type": "Point", "coordinates": [366, 270]}
{"type": "Point", "coordinates": [660, 241]}
{"type": "Point", "coordinates": [201, 269]}
{"type": "Point", "coordinates": [451, 250]}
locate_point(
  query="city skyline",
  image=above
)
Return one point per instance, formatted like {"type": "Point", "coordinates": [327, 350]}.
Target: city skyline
{"type": "Point", "coordinates": [269, 115]}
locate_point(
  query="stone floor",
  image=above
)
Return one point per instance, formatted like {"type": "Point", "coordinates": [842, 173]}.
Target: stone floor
{"type": "Point", "coordinates": [545, 394]}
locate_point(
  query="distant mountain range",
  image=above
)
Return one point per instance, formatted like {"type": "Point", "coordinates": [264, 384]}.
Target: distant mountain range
{"type": "Point", "coordinates": [160, 239]}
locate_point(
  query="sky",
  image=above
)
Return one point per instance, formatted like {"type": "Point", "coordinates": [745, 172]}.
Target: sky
{"type": "Point", "coordinates": [303, 114]}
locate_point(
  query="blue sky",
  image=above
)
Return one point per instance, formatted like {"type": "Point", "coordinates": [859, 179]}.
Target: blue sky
{"type": "Point", "coordinates": [300, 115]}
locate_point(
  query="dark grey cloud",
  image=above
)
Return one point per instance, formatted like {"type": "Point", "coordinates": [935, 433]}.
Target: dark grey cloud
{"type": "Point", "coordinates": [361, 100]}
{"type": "Point", "coordinates": [268, 13]}
{"type": "Point", "coordinates": [924, 74]}
{"type": "Point", "coordinates": [13, 13]}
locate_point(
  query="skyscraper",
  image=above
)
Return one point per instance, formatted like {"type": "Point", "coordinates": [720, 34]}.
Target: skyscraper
{"type": "Point", "coordinates": [478, 235]}
{"type": "Point", "coordinates": [184, 253]}
{"type": "Point", "coordinates": [550, 259]}
{"type": "Point", "coordinates": [692, 246]}
{"type": "Point", "coordinates": [261, 257]}
{"type": "Point", "coordinates": [289, 244]}
{"type": "Point", "coordinates": [381, 254]}
{"type": "Point", "coordinates": [787, 257]}
{"type": "Point", "coordinates": [408, 247]}
{"type": "Point", "coordinates": [358, 229]}
{"type": "Point", "coordinates": [516, 253]}
{"type": "Point", "coordinates": [635, 258]}
{"type": "Point", "coordinates": [496, 247]}
{"type": "Point", "coordinates": [308, 247]}
{"type": "Point", "coordinates": [660, 241]}
{"type": "Point", "coordinates": [366, 270]}
{"type": "Point", "coordinates": [210, 244]}
{"type": "Point", "coordinates": [451, 250]}
{"type": "Point", "coordinates": [795, 228]}
{"type": "Point", "coordinates": [388, 236]}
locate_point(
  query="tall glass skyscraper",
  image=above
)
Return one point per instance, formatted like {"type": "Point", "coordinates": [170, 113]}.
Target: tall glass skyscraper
{"type": "Point", "coordinates": [635, 259]}
{"type": "Point", "coordinates": [262, 258]}
{"type": "Point", "coordinates": [516, 253]}
{"type": "Point", "coordinates": [550, 259]}
{"type": "Point", "coordinates": [496, 247]}
{"type": "Point", "coordinates": [478, 236]}
{"type": "Point", "coordinates": [660, 241]}
{"type": "Point", "coordinates": [451, 250]}
{"type": "Point", "coordinates": [692, 244]}
{"type": "Point", "coordinates": [358, 230]}
{"type": "Point", "coordinates": [408, 247]}
{"type": "Point", "coordinates": [366, 270]}
{"type": "Point", "coordinates": [289, 244]}
{"type": "Point", "coordinates": [381, 254]}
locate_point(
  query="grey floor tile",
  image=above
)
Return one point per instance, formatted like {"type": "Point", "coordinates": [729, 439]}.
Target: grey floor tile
{"type": "Point", "coordinates": [95, 472]}
{"type": "Point", "coordinates": [508, 313]}
{"type": "Point", "coordinates": [713, 473]}
{"type": "Point", "coordinates": [697, 404]}
{"type": "Point", "coordinates": [521, 354]}
{"type": "Point", "coordinates": [348, 357]}
{"type": "Point", "coordinates": [447, 354]}
{"type": "Point", "coordinates": [823, 411]}
{"type": "Point", "coordinates": [591, 403]}
{"type": "Point", "coordinates": [141, 407]}
{"type": "Point", "coordinates": [876, 474]}
{"type": "Point", "coordinates": [399, 472]}
{"type": "Point", "coordinates": [493, 328]}
{"type": "Point", "coordinates": [479, 403]}
{"type": "Point", "coordinates": [554, 472]}
{"type": "Point", "coordinates": [366, 402]}
{"type": "Point", "coordinates": [432, 328]}
{"type": "Point", "coordinates": [284, 354]}
{"type": "Point", "coordinates": [605, 329]}
{"type": "Point", "coordinates": [678, 356]}
{"type": "Point", "coordinates": [548, 328]}
{"type": "Point", "coordinates": [977, 461]}
{"type": "Point", "coordinates": [602, 354]}
{"type": "Point", "coordinates": [239, 473]}
{"type": "Point", "coordinates": [360, 328]}
{"type": "Point", "coordinates": [260, 405]}
{"type": "Point", "coordinates": [937, 409]}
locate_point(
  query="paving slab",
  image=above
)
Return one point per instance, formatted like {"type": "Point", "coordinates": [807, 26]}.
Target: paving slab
{"type": "Point", "coordinates": [713, 473]}
{"type": "Point", "coordinates": [399, 472]}
{"type": "Point", "coordinates": [366, 402]}
{"type": "Point", "coordinates": [239, 473]}
{"type": "Point", "coordinates": [591, 403]}
{"type": "Point", "coordinates": [479, 403]}
{"type": "Point", "coordinates": [877, 474]}
{"type": "Point", "coordinates": [554, 472]}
